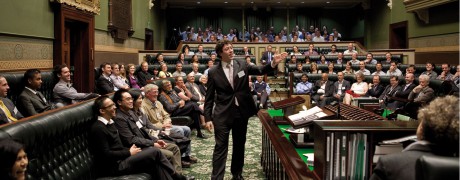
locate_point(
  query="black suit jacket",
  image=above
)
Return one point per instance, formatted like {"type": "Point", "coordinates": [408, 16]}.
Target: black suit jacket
{"type": "Point", "coordinates": [405, 93]}
{"type": "Point", "coordinates": [130, 133]}
{"type": "Point", "coordinates": [375, 91]}
{"type": "Point", "coordinates": [220, 96]}
{"type": "Point", "coordinates": [13, 110]}
{"type": "Point", "coordinates": [328, 90]}
{"type": "Point", "coordinates": [30, 104]}
{"type": "Point", "coordinates": [104, 86]}
{"type": "Point", "coordinates": [264, 58]}
{"type": "Point", "coordinates": [345, 86]}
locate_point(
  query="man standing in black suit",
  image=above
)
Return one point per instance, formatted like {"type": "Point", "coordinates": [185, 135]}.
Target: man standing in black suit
{"type": "Point", "coordinates": [375, 89]}
{"type": "Point", "coordinates": [229, 104]}
{"type": "Point", "coordinates": [323, 91]}
{"type": "Point", "coordinates": [31, 101]}
{"type": "Point", "coordinates": [104, 84]}
{"type": "Point", "coordinates": [8, 112]}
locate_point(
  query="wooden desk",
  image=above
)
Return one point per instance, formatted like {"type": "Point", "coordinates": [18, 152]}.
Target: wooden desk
{"type": "Point", "coordinates": [279, 158]}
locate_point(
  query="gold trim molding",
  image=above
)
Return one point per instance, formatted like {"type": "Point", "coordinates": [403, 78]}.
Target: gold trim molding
{"type": "Point", "coordinates": [19, 65]}
{"type": "Point", "coordinates": [93, 6]}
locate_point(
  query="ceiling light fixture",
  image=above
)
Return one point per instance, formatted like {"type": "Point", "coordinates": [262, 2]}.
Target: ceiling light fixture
{"type": "Point", "coordinates": [328, 2]}
{"type": "Point", "coordinates": [225, 2]}
{"type": "Point", "coordinates": [198, 2]}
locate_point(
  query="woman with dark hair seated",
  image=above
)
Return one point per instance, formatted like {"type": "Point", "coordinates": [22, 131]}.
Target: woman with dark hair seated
{"type": "Point", "coordinates": [13, 164]}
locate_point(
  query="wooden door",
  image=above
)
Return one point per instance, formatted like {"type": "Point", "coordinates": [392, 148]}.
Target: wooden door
{"type": "Point", "coordinates": [398, 35]}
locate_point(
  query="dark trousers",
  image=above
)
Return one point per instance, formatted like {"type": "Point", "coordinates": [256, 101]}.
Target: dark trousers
{"type": "Point", "coordinates": [238, 127]}
{"type": "Point", "coordinates": [149, 160]}
{"type": "Point", "coordinates": [263, 99]}
{"type": "Point", "coordinates": [193, 110]}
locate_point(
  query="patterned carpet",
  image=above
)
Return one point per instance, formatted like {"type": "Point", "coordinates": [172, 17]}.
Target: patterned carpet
{"type": "Point", "coordinates": [203, 149]}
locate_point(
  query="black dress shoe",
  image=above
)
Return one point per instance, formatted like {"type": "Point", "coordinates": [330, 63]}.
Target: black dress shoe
{"type": "Point", "coordinates": [237, 177]}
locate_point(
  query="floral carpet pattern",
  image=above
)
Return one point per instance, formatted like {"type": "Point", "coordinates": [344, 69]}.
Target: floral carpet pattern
{"type": "Point", "coordinates": [203, 149]}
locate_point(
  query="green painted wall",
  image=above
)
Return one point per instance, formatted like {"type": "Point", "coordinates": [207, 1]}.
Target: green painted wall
{"type": "Point", "coordinates": [101, 20]}
{"type": "Point", "coordinates": [25, 17]}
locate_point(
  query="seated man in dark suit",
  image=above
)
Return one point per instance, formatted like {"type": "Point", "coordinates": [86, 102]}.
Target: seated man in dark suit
{"type": "Point", "coordinates": [31, 101]}
{"type": "Point", "coordinates": [340, 86]}
{"type": "Point", "coordinates": [405, 90]}
{"type": "Point", "coordinates": [375, 88]}
{"type": "Point", "coordinates": [111, 158]}
{"type": "Point", "coordinates": [104, 84]}
{"type": "Point", "coordinates": [144, 76]}
{"type": "Point", "coordinates": [437, 135]}
{"type": "Point", "coordinates": [323, 91]}
{"type": "Point", "coordinates": [420, 95]}
{"type": "Point", "coordinates": [389, 92]}
{"type": "Point", "coordinates": [8, 112]}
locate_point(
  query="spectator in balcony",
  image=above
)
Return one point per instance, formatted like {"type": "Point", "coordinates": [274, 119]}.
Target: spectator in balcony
{"type": "Point", "coordinates": [318, 37]}
{"type": "Point", "coordinates": [322, 60]}
{"type": "Point", "coordinates": [311, 50]}
{"type": "Point", "coordinates": [186, 50]}
{"type": "Point", "coordinates": [437, 134]}
{"type": "Point", "coordinates": [323, 91]}
{"type": "Point", "coordinates": [194, 59]}
{"type": "Point", "coordinates": [445, 74]}
{"type": "Point", "coordinates": [308, 38]}
{"type": "Point", "coordinates": [230, 34]}
{"type": "Point", "coordinates": [340, 59]}
{"type": "Point", "coordinates": [348, 69]}
{"type": "Point", "coordinates": [31, 101]}
{"type": "Point", "coordinates": [370, 59]}
{"type": "Point", "coordinates": [164, 71]}
{"type": "Point", "coordinates": [333, 50]}
{"type": "Point", "coordinates": [299, 68]}
{"type": "Point", "coordinates": [213, 38]}
{"type": "Point", "coordinates": [181, 58]}
{"type": "Point", "coordinates": [378, 70]}
{"type": "Point", "coordinates": [295, 51]}
{"type": "Point", "coordinates": [144, 76]}
{"type": "Point", "coordinates": [246, 51]}
{"type": "Point", "coordinates": [304, 87]}
{"type": "Point", "coordinates": [195, 69]}
{"type": "Point", "coordinates": [394, 71]}
{"type": "Point", "coordinates": [330, 38]}
{"type": "Point", "coordinates": [118, 81]}
{"type": "Point", "coordinates": [354, 59]}
{"type": "Point", "coordinates": [350, 49]}
{"type": "Point", "coordinates": [104, 84]}
{"type": "Point", "coordinates": [362, 69]}
{"type": "Point", "coordinates": [337, 35]}
{"type": "Point", "coordinates": [340, 87]}
{"type": "Point", "coordinates": [132, 77]}
{"type": "Point", "coordinates": [178, 71]}
{"type": "Point", "coordinates": [430, 70]}
{"type": "Point", "coordinates": [201, 52]}
{"type": "Point", "coordinates": [359, 88]}
{"type": "Point", "coordinates": [14, 160]}
{"type": "Point", "coordinates": [9, 113]}
{"type": "Point", "coordinates": [375, 88]}
{"type": "Point", "coordinates": [330, 68]}
{"type": "Point", "coordinates": [210, 64]}
{"type": "Point", "coordinates": [295, 38]}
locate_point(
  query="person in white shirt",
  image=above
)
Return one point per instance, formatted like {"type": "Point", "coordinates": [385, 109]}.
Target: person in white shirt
{"type": "Point", "coordinates": [394, 71]}
{"type": "Point", "coordinates": [318, 37]}
{"type": "Point", "coordinates": [362, 69]}
{"type": "Point", "coordinates": [354, 59]}
{"type": "Point", "coordinates": [359, 88]}
{"type": "Point", "coordinates": [333, 50]}
{"type": "Point", "coordinates": [350, 49]}
{"type": "Point", "coordinates": [378, 70]}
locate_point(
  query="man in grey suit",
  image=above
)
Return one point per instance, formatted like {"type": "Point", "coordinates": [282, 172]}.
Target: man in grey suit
{"type": "Point", "coordinates": [63, 92]}
{"type": "Point", "coordinates": [420, 95]}
{"type": "Point", "coordinates": [8, 112]}
{"type": "Point", "coordinates": [340, 86]}
{"type": "Point", "coordinates": [194, 89]}
{"type": "Point", "coordinates": [323, 91]}
{"type": "Point", "coordinates": [31, 101]}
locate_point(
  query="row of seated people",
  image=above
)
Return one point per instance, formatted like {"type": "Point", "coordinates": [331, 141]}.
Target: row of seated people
{"type": "Point", "coordinates": [187, 59]}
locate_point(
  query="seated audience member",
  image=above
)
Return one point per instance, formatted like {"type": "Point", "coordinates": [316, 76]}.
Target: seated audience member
{"type": "Point", "coordinates": [323, 91]}
{"type": "Point", "coordinates": [293, 60]}
{"type": "Point", "coordinates": [314, 68]}
{"type": "Point", "coordinates": [456, 77]}
{"type": "Point", "coordinates": [330, 68]}
{"type": "Point", "coordinates": [263, 91]}
{"type": "Point", "coordinates": [195, 69]}
{"type": "Point", "coordinates": [178, 107]}
{"type": "Point", "coordinates": [156, 73]}
{"type": "Point", "coordinates": [194, 59]}
{"type": "Point", "coordinates": [445, 74]}
{"type": "Point", "coordinates": [132, 77]}
{"type": "Point", "coordinates": [200, 51]}
{"type": "Point", "coordinates": [405, 90]}
{"type": "Point", "coordinates": [14, 160]}
{"type": "Point", "coordinates": [387, 58]}
{"type": "Point", "coordinates": [299, 68]}
{"type": "Point", "coordinates": [194, 89]}
{"type": "Point", "coordinates": [133, 130]}
{"type": "Point", "coordinates": [322, 60]}
{"type": "Point", "coordinates": [267, 56]}
{"type": "Point", "coordinates": [410, 69]}
{"type": "Point", "coordinates": [246, 51]}
{"type": "Point", "coordinates": [123, 72]}
{"type": "Point", "coordinates": [385, 99]}
{"type": "Point", "coordinates": [164, 71]}
{"type": "Point", "coordinates": [340, 87]}
{"type": "Point", "coordinates": [437, 135]}
{"type": "Point", "coordinates": [117, 79]}
{"type": "Point", "coordinates": [181, 58]}
{"type": "Point", "coordinates": [248, 60]}
{"type": "Point", "coordinates": [144, 76]}
{"type": "Point", "coordinates": [213, 57]}
{"type": "Point", "coordinates": [420, 95]}
{"type": "Point", "coordinates": [104, 84]}
{"type": "Point", "coordinates": [203, 85]}
{"type": "Point", "coordinates": [354, 59]}
{"type": "Point", "coordinates": [378, 70]}
{"type": "Point", "coordinates": [362, 69]}
{"type": "Point", "coordinates": [370, 59]}
{"type": "Point", "coordinates": [304, 87]}
{"type": "Point", "coordinates": [178, 71]}
{"type": "Point", "coordinates": [182, 91]}
{"type": "Point", "coordinates": [318, 37]}
{"type": "Point", "coordinates": [111, 158]}
{"type": "Point", "coordinates": [307, 59]}
{"type": "Point", "coordinates": [9, 113]}
{"type": "Point", "coordinates": [295, 51]}
{"type": "Point", "coordinates": [31, 101]}
{"type": "Point", "coordinates": [394, 71]}
{"type": "Point", "coordinates": [348, 69]}
{"type": "Point", "coordinates": [159, 59]}
{"type": "Point", "coordinates": [311, 50]}
{"type": "Point", "coordinates": [430, 70]}
{"type": "Point", "coordinates": [340, 59]}
{"type": "Point", "coordinates": [63, 92]}
{"type": "Point", "coordinates": [350, 49]}
{"type": "Point", "coordinates": [210, 64]}
{"type": "Point", "coordinates": [359, 88]}
{"type": "Point", "coordinates": [333, 50]}
{"type": "Point", "coordinates": [375, 88]}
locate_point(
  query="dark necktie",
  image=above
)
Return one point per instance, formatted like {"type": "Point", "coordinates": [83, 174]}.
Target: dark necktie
{"type": "Point", "coordinates": [41, 96]}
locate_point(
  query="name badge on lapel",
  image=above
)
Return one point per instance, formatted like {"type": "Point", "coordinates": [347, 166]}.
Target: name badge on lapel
{"type": "Point", "coordinates": [139, 125]}
{"type": "Point", "coordinates": [241, 74]}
